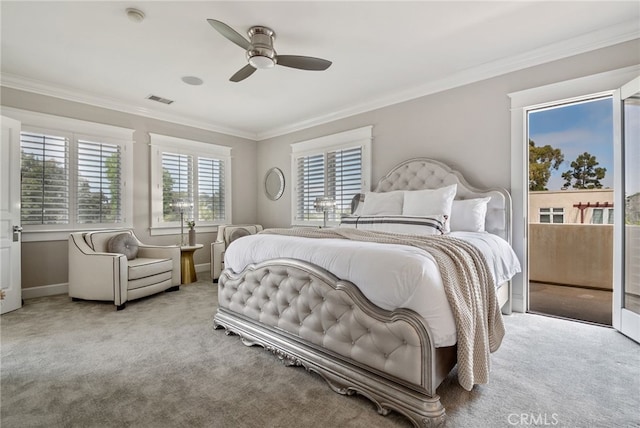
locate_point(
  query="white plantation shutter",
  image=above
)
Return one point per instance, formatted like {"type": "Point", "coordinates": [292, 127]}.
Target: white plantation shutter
{"type": "Point", "coordinates": [337, 166]}
{"type": "Point", "coordinates": [211, 189]}
{"type": "Point", "coordinates": [336, 174]}
{"type": "Point", "coordinates": [177, 184]}
{"type": "Point", "coordinates": [310, 185]}
{"type": "Point", "coordinates": [198, 181]}
{"type": "Point", "coordinates": [74, 176]}
{"type": "Point", "coordinates": [45, 179]}
{"type": "Point", "coordinates": [344, 178]}
{"type": "Point", "coordinates": [189, 171]}
{"type": "Point", "coordinates": [99, 183]}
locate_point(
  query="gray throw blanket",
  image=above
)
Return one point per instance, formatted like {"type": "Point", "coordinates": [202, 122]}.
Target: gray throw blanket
{"type": "Point", "coordinates": [468, 284]}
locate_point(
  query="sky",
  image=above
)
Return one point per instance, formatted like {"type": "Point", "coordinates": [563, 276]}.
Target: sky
{"type": "Point", "coordinates": [575, 129]}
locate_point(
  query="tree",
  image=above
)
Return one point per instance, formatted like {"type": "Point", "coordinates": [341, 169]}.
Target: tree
{"type": "Point", "coordinates": [541, 160]}
{"type": "Point", "coordinates": [112, 164]}
{"type": "Point", "coordinates": [168, 197]}
{"type": "Point", "coordinates": [585, 173]}
{"type": "Point", "coordinates": [98, 187]}
{"type": "Point", "coordinates": [44, 190]}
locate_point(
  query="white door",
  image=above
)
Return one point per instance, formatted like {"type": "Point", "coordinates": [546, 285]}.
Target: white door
{"type": "Point", "coordinates": [10, 216]}
{"type": "Point", "coordinates": [626, 288]}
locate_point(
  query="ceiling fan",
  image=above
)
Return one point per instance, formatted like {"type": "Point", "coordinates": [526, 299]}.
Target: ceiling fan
{"type": "Point", "coordinates": [260, 51]}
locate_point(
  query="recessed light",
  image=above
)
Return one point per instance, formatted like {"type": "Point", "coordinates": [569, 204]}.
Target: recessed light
{"type": "Point", "coordinates": [192, 80]}
{"type": "Point", "coordinates": [136, 15]}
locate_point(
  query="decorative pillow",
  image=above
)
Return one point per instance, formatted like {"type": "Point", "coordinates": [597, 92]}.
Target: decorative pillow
{"type": "Point", "coordinates": [357, 203]}
{"type": "Point", "coordinates": [468, 215]}
{"type": "Point", "coordinates": [385, 203]}
{"type": "Point", "coordinates": [406, 225]}
{"type": "Point", "coordinates": [124, 243]}
{"type": "Point", "coordinates": [238, 233]}
{"type": "Point", "coordinates": [429, 202]}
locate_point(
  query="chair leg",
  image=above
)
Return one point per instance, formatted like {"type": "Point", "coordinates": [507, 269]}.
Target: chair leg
{"type": "Point", "coordinates": [121, 307]}
{"type": "Point", "coordinates": [174, 288]}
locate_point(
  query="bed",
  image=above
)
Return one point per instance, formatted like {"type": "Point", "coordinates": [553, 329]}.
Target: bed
{"type": "Point", "coordinates": [313, 306]}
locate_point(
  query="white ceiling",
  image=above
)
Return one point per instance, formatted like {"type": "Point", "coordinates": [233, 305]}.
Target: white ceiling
{"type": "Point", "coordinates": [382, 53]}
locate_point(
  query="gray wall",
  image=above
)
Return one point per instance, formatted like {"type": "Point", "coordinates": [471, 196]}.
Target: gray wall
{"type": "Point", "coordinates": [45, 263]}
{"type": "Point", "coordinates": [467, 127]}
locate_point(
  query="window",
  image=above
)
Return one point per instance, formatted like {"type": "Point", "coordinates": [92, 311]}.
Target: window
{"type": "Point", "coordinates": [74, 176]}
{"type": "Point", "coordinates": [551, 215]}
{"type": "Point", "coordinates": [99, 183]}
{"type": "Point", "coordinates": [335, 166]}
{"type": "Point", "coordinates": [44, 179]}
{"type": "Point", "coordinates": [191, 179]}
{"type": "Point", "coordinates": [598, 216]}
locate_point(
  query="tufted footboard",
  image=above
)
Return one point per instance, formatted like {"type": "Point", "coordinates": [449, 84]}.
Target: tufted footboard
{"type": "Point", "coordinates": [308, 317]}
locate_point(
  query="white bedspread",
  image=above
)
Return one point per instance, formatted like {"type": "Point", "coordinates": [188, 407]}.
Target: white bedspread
{"type": "Point", "coordinates": [390, 276]}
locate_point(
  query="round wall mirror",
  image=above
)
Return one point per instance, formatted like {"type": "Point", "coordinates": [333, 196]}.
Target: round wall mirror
{"type": "Point", "coordinates": [274, 184]}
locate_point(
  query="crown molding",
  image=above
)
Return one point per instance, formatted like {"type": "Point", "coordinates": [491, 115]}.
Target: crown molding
{"type": "Point", "coordinates": [70, 94]}
{"type": "Point", "coordinates": [596, 40]}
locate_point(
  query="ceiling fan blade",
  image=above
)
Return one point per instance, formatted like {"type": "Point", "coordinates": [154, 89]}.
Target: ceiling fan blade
{"type": "Point", "coordinates": [303, 62]}
{"type": "Point", "coordinates": [243, 73]}
{"type": "Point", "coordinates": [229, 33]}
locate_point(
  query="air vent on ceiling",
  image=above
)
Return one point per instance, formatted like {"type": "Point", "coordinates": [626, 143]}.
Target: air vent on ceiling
{"type": "Point", "coordinates": [159, 99]}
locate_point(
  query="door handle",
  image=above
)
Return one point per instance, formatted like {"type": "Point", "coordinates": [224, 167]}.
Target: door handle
{"type": "Point", "coordinates": [16, 233]}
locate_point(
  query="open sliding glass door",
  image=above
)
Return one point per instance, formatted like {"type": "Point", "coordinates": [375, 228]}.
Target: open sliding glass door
{"type": "Point", "coordinates": [626, 289]}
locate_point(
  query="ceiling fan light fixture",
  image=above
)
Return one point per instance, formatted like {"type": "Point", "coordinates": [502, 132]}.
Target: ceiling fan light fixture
{"type": "Point", "coordinates": [260, 52]}
{"type": "Point", "coordinates": [260, 61]}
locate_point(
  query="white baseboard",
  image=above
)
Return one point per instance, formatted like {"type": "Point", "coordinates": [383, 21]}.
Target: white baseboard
{"type": "Point", "coordinates": [517, 304]}
{"type": "Point", "coordinates": [203, 267]}
{"type": "Point", "coordinates": [45, 290]}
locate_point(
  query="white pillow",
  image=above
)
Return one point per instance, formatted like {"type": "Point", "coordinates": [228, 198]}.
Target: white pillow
{"type": "Point", "coordinates": [429, 202]}
{"type": "Point", "coordinates": [468, 215]}
{"type": "Point", "coordinates": [384, 203]}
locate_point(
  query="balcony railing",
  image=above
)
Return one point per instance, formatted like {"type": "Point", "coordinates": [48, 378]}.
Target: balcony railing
{"type": "Point", "coordinates": [571, 254]}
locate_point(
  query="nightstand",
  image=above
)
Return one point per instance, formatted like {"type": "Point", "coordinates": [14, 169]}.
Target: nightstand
{"type": "Point", "coordinates": [187, 268]}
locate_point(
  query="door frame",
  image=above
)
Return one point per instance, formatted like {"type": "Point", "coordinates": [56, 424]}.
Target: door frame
{"type": "Point", "coordinates": [602, 84]}
{"type": "Point", "coordinates": [10, 217]}
{"type": "Point", "coordinates": [624, 320]}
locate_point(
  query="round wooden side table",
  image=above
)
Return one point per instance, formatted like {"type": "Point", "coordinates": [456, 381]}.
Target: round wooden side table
{"type": "Point", "coordinates": [187, 268]}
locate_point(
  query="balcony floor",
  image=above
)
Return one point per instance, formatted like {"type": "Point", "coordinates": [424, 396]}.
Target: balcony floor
{"type": "Point", "coordinates": [584, 304]}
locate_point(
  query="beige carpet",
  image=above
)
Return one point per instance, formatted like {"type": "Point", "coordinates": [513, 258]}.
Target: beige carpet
{"type": "Point", "coordinates": [159, 363]}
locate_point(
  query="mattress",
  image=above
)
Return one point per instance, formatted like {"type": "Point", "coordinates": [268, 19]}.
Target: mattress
{"type": "Point", "coordinates": [390, 276]}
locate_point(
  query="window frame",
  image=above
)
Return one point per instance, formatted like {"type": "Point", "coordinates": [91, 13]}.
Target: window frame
{"type": "Point", "coordinates": [75, 130]}
{"type": "Point", "coordinates": [359, 137]}
{"type": "Point", "coordinates": [551, 212]}
{"type": "Point", "coordinates": [163, 143]}
{"type": "Point", "coordinates": [606, 215]}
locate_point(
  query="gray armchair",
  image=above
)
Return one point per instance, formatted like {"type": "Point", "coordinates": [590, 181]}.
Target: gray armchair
{"type": "Point", "coordinates": [227, 233]}
{"type": "Point", "coordinates": [114, 265]}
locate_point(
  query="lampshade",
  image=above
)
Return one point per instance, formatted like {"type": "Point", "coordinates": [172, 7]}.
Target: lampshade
{"type": "Point", "coordinates": [323, 204]}
{"type": "Point", "coordinates": [182, 205]}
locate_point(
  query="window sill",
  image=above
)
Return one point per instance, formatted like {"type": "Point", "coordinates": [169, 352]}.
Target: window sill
{"type": "Point", "coordinates": [172, 230]}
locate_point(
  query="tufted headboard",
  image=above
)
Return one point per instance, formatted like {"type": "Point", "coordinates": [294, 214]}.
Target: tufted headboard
{"type": "Point", "coordinates": [423, 173]}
